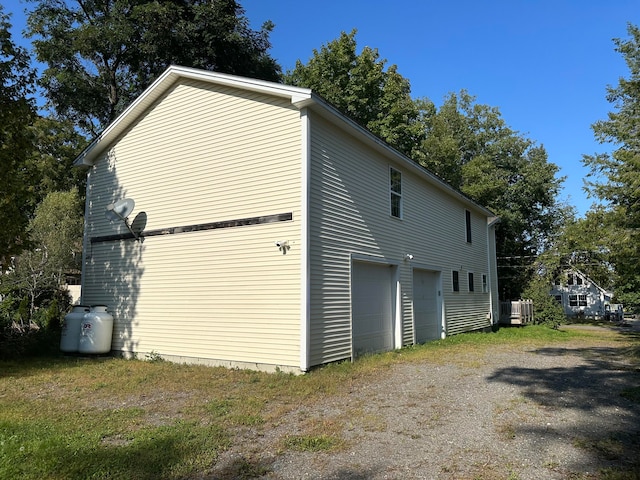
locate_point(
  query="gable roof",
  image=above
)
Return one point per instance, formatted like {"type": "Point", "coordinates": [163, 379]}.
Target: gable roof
{"type": "Point", "coordinates": [586, 277]}
{"type": "Point", "coordinates": [299, 98]}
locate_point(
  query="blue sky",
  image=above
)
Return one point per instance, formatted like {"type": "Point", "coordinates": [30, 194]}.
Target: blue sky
{"type": "Point", "coordinates": [545, 64]}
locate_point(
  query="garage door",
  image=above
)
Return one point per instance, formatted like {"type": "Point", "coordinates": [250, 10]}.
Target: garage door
{"type": "Point", "coordinates": [371, 307]}
{"type": "Point", "coordinates": [425, 305]}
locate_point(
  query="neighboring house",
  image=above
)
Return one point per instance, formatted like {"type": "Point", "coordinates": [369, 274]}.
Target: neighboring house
{"type": "Point", "coordinates": [277, 232]}
{"type": "Point", "coordinates": [580, 296]}
{"type": "Point", "coordinates": [74, 293]}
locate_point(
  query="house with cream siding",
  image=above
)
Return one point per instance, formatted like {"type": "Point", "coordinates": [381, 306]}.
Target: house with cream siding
{"type": "Point", "coordinates": [273, 231]}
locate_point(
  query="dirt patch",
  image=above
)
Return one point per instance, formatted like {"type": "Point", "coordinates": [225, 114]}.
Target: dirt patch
{"type": "Point", "coordinates": [535, 413]}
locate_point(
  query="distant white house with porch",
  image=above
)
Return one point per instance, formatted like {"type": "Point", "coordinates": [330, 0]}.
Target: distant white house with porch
{"type": "Point", "coordinates": [580, 296]}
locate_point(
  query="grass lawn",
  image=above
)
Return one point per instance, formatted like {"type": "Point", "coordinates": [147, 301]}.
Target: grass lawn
{"type": "Point", "coordinates": [107, 418]}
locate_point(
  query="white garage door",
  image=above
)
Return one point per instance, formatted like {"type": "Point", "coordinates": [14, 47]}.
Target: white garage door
{"type": "Point", "coordinates": [425, 305]}
{"type": "Point", "coordinates": [371, 307]}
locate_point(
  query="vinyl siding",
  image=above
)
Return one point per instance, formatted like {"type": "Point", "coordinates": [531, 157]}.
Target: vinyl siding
{"type": "Point", "coordinates": [203, 154]}
{"type": "Point", "coordinates": [350, 214]}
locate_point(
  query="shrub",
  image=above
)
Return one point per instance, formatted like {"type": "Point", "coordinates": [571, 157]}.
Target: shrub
{"type": "Point", "coordinates": [546, 310]}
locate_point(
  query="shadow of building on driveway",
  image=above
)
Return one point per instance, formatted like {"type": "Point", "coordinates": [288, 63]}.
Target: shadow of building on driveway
{"type": "Point", "coordinates": [589, 401]}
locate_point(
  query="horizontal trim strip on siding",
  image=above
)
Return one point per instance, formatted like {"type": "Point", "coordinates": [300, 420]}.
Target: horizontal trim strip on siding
{"type": "Point", "coordinates": [280, 217]}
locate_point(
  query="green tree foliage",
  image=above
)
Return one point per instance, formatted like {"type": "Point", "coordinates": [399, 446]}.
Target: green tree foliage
{"type": "Point", "coordinates": [56, 143]}
{"type": "Point", "coordinates": [585, 244]}
{"type": "Point", "coordinates": [616, 176]}
{"type": "Point", "coordinates": [359, 86]}
{"type": "Point", "coordinates": [56, 229]}
{"type": "Point", "coordinates": [546, 309]}
{"type": "Point", "coordinates": [467, 144]}
{"type": "Point", "coordinates": [100, 55]}
{"type": "Point", "coordinates": [470, 146]}
{"type": "Point", "coordinates": [17, 112]}
{"type": "Point", "coordinates": [33, 284]}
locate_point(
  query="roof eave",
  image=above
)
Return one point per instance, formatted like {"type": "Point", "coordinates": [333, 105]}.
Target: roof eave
{"type": "Point", "coordinates": [299, 97]}
{"type": "Point", "coordinates": [338, 117]}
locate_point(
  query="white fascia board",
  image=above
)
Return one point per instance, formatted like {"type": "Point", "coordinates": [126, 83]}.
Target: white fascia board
{"type": "Point", "coordinates": [296, 95]}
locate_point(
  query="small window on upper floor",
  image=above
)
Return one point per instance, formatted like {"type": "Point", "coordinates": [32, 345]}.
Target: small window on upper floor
{"type": "Point", "coordinates": [570, 279]}
{"type": "Point", "coordinates": [395, 192]}
{"type": "Point", "coordinates": [456, 281]}
{"type": "Point", "coordinates": [578, 280]}
{"type": "Point", "coordinates": [470, 277]}
{"type": "Point", "coordinates": [485, 287]}
{"type": "Point", "coordinates": [467, 217]}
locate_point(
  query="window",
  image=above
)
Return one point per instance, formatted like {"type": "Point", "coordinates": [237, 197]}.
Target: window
{"type": "Point", "coordinates": [570, 279]}
{"type": "Point", "coordinates": [456, 281]}
{"type": "Point", "coordinates": [485, 287]}
{"type": "Point", "coordinates": [578, 280]}
{"type": "Point", "coordinates": [582, 300]}
{"type": "Point", "coordinates": [395, 191]}
{"type": "Point", "coordinates": [558, 299]}
{"type": "Point", "coordinates": [573, 300]}
{"type": "Point", "coordinates": [467, 216]}
{"type": "Point", "coordinates": [470, 276]}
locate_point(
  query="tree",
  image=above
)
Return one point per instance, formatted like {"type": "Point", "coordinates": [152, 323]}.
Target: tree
{"type": "Point", "coordinates": [100, 55]}
{"type": "Point", "coordinates": [585, 244]}
{"type": "Point", "coordinates": [55, 234]}
{"type": "Point", "coordinates": [615, 177]}
{"type": "Point", "coordinates": [546, 309]}
{"type": "Point", "coordinates": [466, 144]}
{"type": "Point", "coordinates": [360, 87]}
{"type": "Point", "coordinates": [470, 146]}
{"type": "Point", "coordinates": [56, 143]}
{"type": "Point", "coordinates": [17, 112]}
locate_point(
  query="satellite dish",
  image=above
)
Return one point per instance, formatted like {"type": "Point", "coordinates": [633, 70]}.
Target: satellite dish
{"type": "Point", "coordinates": [119, 210]}
{"type": "Point", "coordinates": [139, 223]}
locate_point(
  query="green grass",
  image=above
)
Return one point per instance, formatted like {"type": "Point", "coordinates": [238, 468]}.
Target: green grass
{"type": "Point", "coordinates": [309, 443]}
{"type": "Point", "coordinates": [110, 418]}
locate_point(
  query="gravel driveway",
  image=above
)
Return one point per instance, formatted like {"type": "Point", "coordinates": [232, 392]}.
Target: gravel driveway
{"type": "Point", "coordinates": [531, 413]}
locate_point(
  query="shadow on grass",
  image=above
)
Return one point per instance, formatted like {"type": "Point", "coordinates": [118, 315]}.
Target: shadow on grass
{"type": "Point", "coordinates": [58, 362]}
{"type": "Point", "coordinates": [169, 452]}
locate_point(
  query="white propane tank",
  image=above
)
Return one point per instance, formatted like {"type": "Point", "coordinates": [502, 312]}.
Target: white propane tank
{"type": "Point", "coordinates": [71, 328]}
{"type": "Point", "coordinates": [96, 331]}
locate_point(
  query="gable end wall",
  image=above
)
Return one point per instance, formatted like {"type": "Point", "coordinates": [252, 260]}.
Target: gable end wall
{"type": "Point", "coordinates": [202, 154]}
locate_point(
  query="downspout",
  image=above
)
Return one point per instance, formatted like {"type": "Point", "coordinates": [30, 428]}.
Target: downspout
{"type": "Point", "coordinates": [305, 280]}
{"type": "Point", "coordinates": [85, 244]}
{"type": "Point", "coordinates": [491, 223]}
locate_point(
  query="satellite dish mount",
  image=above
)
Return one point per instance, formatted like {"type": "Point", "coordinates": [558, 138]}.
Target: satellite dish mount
{"type": "Point", "coordinates": [121, 210]}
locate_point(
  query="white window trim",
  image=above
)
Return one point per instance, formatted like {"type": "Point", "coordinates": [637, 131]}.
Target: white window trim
{"type": "Point", "coordinates": [392, 193]}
